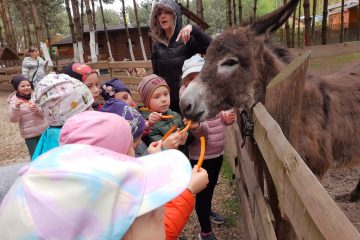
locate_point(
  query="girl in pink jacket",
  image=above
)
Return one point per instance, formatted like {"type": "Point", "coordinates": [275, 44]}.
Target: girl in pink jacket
{"type": "Point", "coordinates": [22, 110]}
{"type": "Point", "coordinates": [214, 132]}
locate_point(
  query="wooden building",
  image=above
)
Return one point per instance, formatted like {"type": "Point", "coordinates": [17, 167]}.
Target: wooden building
{"type": "Point", "coordinates": [118, 41]}
{"type": "Point", "coordinates": [351, 18]}
{"type": "Point", "coordinates": [8, 58]}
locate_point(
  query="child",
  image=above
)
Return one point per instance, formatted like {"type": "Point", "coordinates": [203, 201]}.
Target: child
{"type": "Point", "coordinates": [214, 131]}
{"type": "Point", "coordinates": [59, 97]}
{"type": "Point", "coordinates": [155, 95]}
{"type": "Point", "coordinates": [80, 191]}
{"type": "Point", "coordinates": [88, 75]}
{"type": "Point", "coordinates": [24, 111]}
{"type": "Point", "coordinates": [114, 88]}
{"type": "Point", "coordinates": [100, 129]}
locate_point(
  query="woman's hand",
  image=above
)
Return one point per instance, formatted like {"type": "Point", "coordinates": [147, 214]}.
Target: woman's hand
{"type": "Point", "coordinates": [184, 34]}
{"type": "Point", "coordinates": [155, 147]}
{"type": "Point", "coordinates": [173, 141]}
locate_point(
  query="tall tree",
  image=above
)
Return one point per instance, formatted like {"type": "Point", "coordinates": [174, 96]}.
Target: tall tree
{"type": "Point", "coordinates": [23, 14]}
{"type": "Point", "coordinates": [255, 8]}
{"type": "Point", "coordinates": [1, 38]}
{"type": "Point", "coordinates": [127, 31]}
{"type": "Point", "coordinates": [5, 20]}
{"type": "Point", "coordinates": [79, 35]}
{"type": "Point", "coordinates": [188, 7]}
{"type": "Point", "coordinates": [342, 22]}
{"type": "Point", "coordinates": [91, 31]}
{"type": "Point", "coordinates": [13, 28]}
{"type": "Point", "coordinates": [228, 13]}
{"type": "Point", "coordinates": [324, 23]}
{"type": "Point", "coordinates": [82, 16]}
{"type": "Point", "coordinates": [240, 11]}
{"type": "Point", "coordinates": [46, 24]}
{"type": "Point", "coordinates": [287, 31]}
{"type": "Point", "coordinates": [298, 27]}
{"type": "Point", "coordinates": [72, 31]}
{"type": "Point", "coordinates": [139, 31]}
{"type": "Point", "coordinates": [200, 9]}
{"type": "Point", "coordinates": [39, 33]}
{"type": "Point", "coordinates": [293, 29]}
{"type": "Point", "coordinates": [234, 12]}
{"type": "Point", "coordinates": [94, 21]}
{"type": "Point", "coordinates": [313, 20]}
{"type": "Point", "coordinates": [358, 32]}
{"type": "Point", "coordinates": [106, 32]}
{"type": "Point", "coordinates": [307, 22]}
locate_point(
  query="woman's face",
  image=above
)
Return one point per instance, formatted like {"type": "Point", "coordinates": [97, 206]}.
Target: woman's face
{"type": "Point", "coordinates": [160, 100]}
{"type": "Point", "coordinates": [149, 226]}
{"type": "Point", "coordinates": [34, 54]}
{"type": "Point", "coordinates": [92, 82]}
{"type": "Point", "coordinates": [24, 88]}
{"type": "Point", "coordinates": [166, 19]}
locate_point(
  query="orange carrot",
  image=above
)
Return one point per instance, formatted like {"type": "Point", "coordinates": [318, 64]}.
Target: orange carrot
{"type": "Point", "coordinates": [145, 109]}
{"type": "Point", "coordinates": [202, 152]}
{"type": "Point", "coordinates": [167, 116]}
{"type": "Point", "coordinates": [172, 129]}
{"type": "Point", "coordinates": [186, 127]}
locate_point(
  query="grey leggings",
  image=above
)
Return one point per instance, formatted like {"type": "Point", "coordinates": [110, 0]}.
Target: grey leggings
{"type": "Point", "coordinates": [31, 144]}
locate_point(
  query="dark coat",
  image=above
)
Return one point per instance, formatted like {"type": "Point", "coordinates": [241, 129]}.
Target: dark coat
{"type": "Point", "coordinates": [168, 57]}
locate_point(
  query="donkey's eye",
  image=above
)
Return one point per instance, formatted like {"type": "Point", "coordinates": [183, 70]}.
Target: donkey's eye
{"type": "Point", "coordinates": [230, 62]}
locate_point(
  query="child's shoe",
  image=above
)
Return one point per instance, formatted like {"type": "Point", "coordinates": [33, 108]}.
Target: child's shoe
{"type": "Point", "coordinates": [216, 218]}
{"type": "Point", "coordinates": [207, 236]}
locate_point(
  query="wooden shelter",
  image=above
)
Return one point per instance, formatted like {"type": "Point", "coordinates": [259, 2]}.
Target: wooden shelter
{"type": "Point", "coordinates": [118, 42]}
{"type": "Point", "coordinates": [351, 18]}
{"type": "Point", "coordinates": [8, 58]}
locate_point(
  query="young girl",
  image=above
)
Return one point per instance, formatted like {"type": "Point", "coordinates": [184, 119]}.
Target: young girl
{"type": "Point", "coordinates": [23, 110]}
{"type": "Point", "coordinates": [115, 88]}
{"type": "Point", "coordinates": [214, 131]}
{"type": "Point", "coordinates": [155, 95]}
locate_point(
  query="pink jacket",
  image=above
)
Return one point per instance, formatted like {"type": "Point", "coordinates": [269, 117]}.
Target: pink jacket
{"type": "Point", "coordinates": [30, 124]}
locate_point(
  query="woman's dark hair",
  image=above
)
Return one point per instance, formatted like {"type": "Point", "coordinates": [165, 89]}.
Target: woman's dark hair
{"type": "Point", "coordinates": [32, 49]}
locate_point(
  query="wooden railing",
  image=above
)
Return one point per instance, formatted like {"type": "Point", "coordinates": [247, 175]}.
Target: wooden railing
{"type": "Point", "coordinates": [280, 197]}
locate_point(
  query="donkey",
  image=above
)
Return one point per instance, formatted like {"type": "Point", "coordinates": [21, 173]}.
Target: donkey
{"type": "Point", "coordinates": [242, 61]}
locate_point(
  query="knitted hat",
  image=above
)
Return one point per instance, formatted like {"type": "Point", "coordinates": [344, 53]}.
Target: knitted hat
{"type": "Point", "coordinates": [61, 97]}
{"type": "Point", "coordinates": [78, 71]}
{"type": "Point", "coordinates": [148, 85]}
{"type": "Point", "coordinates": [192, 65]}
{"type": "Point", "coordinates": [110, 87]}
{"type": "Point", "coordinates": [86, 192]}
{"type": "Point", "coordinates": [135, 119]}
{"type": "Point", "coordinates": [97, 129]}
{"type": "Point", "coordinates": [16, 80]}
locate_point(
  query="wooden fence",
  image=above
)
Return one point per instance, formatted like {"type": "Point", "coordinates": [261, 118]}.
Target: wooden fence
{"type": "Point", "coordinates": [280, 197]}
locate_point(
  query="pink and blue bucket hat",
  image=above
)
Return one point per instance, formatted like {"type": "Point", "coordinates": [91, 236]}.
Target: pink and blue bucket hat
{"type": "Point", "coordinates": [80, 191]}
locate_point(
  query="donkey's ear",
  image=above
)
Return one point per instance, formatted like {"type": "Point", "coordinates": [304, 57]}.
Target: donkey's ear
{"type": "Point", "coordinates": [272, 21]}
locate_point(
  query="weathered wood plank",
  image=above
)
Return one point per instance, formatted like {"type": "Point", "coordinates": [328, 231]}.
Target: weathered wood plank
{"type": "Point", "coordinates": [100, 65]}
{"type": "Point", "coordinates": [317, 215]}
{"type": "Point", "coordinates": [130, 64]}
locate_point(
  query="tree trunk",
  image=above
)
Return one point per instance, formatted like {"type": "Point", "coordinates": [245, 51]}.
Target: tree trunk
{"type": "Point", "coordinates": [13, 29]}
{"type": "Point", "coordinates": [342, 22]}
{"type": "Point", "coordinates": [240, 11]}
{"type": "Point", "coordinates": [324, 23]}
{"type": "Point", "coordinates": [6, 24]}
{"type": "Point", "coordinates": [25, 39]}
{"type": "Point", "coordinates": [287, 31]}
{"type": "Point", "coordinates": [307, 22]}
{"type": "Point", "coordinates": [91, 31]}
{"type": "Point", "coordinates": [19, 5]}
{"type": "Point", "coordinates": [39, 33]}
{"type": "Point", "coordinates": [139, 31]}
{"type": "Point", "coordinates": [255, 8]}
{"type": "Point", "coordinates": [1, 38]}
{"type": "Point", "coordinates": [111, 59]}
{"type": "Point", "coordinates": [358, 32]}
{"type": "Point", "coordinates": [298, 27]}
{"type": "Point", "coordinates": [127, 31]}
{"type": "Point", "coordinates": [79, 35]}
{"type": "Point", "coordinates": [46, 23]}
{"type": "Point", "coordinates": [82, 16]}
{"type": "Point", "coordinates": [72, 31]}
{"type": "Point", "coordinates": [313, 20]}
{"type": "Point", "coordinates": [228, 13]}
{"type": "Point", "coordinates": [200, 9]}
{"type": "Point", "coordinates": [293, 29]}
{"type": "Point", "coordinates": [188, 7]}
{"type": "Point", "coordinates": [94, 21]}
{"type": "Point", "coordinates": [234, 13]}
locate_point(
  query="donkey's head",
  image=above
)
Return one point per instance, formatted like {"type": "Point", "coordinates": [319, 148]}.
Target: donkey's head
{"type": "Point", "coordinates": [239, 64]}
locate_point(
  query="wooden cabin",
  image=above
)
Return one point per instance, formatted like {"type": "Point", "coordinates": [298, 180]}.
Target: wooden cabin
{"type": "Point", "coordinates": [350, 15]}
{"type": "Point", "coordinates": [8, 58]}
{"type": "Point", "coordinates": [118, 41]}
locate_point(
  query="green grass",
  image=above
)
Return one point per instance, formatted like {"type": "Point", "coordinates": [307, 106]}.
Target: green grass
{"type": "Point", "coordinates": [231, 203]}
{"type": "Point", "coordinates": [319, 63]}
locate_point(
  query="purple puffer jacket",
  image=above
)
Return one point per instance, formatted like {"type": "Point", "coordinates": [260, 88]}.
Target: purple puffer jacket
{"type": "Point", "coordinates": [30, 124]}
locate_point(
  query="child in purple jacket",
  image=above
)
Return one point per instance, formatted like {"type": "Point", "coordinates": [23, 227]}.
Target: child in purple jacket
{"type": "Point", "coordinates": [214, 131]}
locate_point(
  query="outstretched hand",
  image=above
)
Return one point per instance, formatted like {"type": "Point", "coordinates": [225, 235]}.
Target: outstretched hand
{"type": "Point", "coordinates": [184, 34]}
{"type": "Point", "coordinates": [199, 180]}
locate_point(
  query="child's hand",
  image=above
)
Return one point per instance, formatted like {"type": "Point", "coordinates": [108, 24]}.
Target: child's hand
{"type": "Point", "coordinates": [199, 180]}
{"type": "Point", "coordinates": [173, 141]}
{"type": "Point", "coordinates": [155, 147]}
{"type": "Point", "coordinates": [183, 138]}
{"type": "Point", "coordinates": [194, 125]}
{"type": "Point", "coordinates": [229, 116]}
{"type": "Point", "coordinates": [18, 103]}
{"type": "Point", "coordinates": [154, 117]}
{"type": "Point", "coordinates": [33, 108]}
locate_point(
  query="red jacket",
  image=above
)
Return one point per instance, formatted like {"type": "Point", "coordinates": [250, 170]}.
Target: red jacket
{"type": "Point", "coordinates": [177, 213]}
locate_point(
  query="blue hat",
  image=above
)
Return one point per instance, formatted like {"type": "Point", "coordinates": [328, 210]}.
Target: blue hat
{"type": "Point", "coordinates": [137, 122]}
{"type": "Point", "coordinates": [110, 87]}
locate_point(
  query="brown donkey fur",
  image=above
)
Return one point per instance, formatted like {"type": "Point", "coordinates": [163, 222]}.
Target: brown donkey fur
{"type": "Point", "coordinates": [242, 61]}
